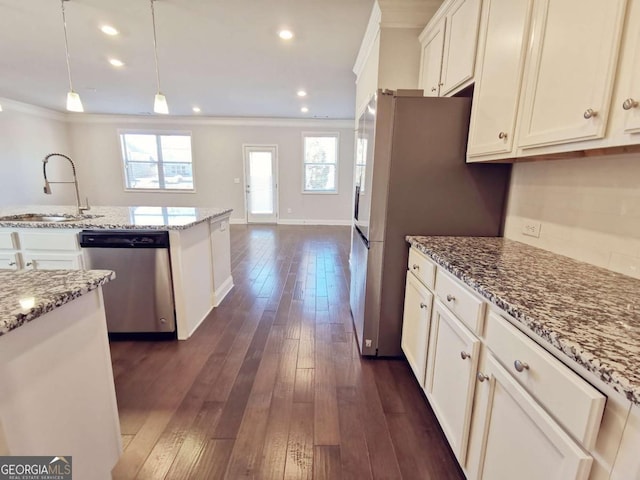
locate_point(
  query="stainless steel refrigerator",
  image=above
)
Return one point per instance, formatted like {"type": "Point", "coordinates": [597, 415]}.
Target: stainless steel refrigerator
{"type": "Point", "coordinates": [411, 178]}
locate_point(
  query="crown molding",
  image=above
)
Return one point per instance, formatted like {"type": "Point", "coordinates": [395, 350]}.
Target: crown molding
{"type": "Point", "coordinates": [368, 40]}
{"type": "Point", "coordinates": [88, 118]}
{"type": "Point", "coordinates": [9, 105]}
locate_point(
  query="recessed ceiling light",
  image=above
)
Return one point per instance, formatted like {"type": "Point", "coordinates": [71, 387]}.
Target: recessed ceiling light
{"type": "Point", "coordinates": [196, 109]}
{"type": "Point", "coordinates": [302, 93]}
{"type": "Point", "coordinates": [116, 63]}
{"type": "Point", "coordinates": [304, 109]}
{"type": "Point", "coordinates": [285, 34]}
{"type": "Point", "coordinates": [109, 30]}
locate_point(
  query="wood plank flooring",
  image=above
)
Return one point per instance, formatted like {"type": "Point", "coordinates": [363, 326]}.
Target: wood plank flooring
{"type": "Point", "coordinates": [271, 386]}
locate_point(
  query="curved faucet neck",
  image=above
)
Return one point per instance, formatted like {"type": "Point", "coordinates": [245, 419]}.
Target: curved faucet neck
{"type": "Point", "coordinates": [47, 186]}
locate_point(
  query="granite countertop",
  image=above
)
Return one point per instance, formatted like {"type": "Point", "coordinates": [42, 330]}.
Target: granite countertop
{"type": "Point", "coordinates": [28, 294]}
{"type": "Point", "coordinates": [115, 218]}
{"type": "Point", "coordinates": [587, 313]}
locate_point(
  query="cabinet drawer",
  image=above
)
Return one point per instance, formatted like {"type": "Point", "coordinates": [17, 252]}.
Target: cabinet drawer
{"type": "Point", "coordinates": [8, 241]}
{"type": "Point", "coordinates": [423, 268]}
{"type": "Point", "coordinates": [54, 261]}
{"type": "Point", "coordinates": [574, 403]}
{"type": "Point", "coordinates": [460, 301]}
{"type": "Point", "coordinates": [49, 241]}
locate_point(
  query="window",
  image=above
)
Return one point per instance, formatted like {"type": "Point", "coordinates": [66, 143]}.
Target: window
{"type": "Point", "coordinates": [320, 159]}
{"type": "Point", "coordinates": [157, 161]}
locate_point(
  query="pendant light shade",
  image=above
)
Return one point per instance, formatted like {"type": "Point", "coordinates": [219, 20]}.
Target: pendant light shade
{"type": "Point", "coordinates": [74, 104]}
{"type": "Point", "coordinates": [160, 103]}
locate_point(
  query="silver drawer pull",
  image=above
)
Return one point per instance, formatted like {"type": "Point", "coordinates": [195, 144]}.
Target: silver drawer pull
{"type": "Point", "coordinates": [12, 264]}
{"type": "Point", "coordinates": [502, 135]}
{"type": "Point", "coordinates": [629, 103]}
{"type": "Point", "coordinates": [415, 266]}
{"type": "Point", "coordinates": [482, 377]}
{"type": "Point", "coordinates": [590, 113]}
{"type": "Point", "coordinates": [451, 298]}
{"type": "Point", "coordinates": [520, 366]}
{"type": "Point", "coordinates": [28, 264]}
{"type": "Point", "coordinates": [464, 355]}
{"type": "Point", "coordinates": [423, 305]}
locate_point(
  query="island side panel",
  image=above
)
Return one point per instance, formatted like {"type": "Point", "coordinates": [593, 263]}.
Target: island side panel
{"type": "Point", "coordinates": [190, 251]}
{"type": "Point", "coordinates": [221, 259]}
{"type": "Point", "coordinates": [58, 395]}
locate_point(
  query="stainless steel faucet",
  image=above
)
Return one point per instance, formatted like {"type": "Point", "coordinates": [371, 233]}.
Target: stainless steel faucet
{"type": "Point", "coordinates": [47, 183]}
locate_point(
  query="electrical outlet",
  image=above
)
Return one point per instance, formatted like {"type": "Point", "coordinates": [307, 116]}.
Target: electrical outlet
{"type": "Point", "coordinates": [531, 228]}
{"type": "Point", "coordinates": [289, 210]}
{"type": "Point", "coordinates": [367, 343]}
{"type": "Point", "coordinates": [236, 180]}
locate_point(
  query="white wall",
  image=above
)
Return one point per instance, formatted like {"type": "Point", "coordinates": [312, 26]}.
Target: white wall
{"type": "Point", "coordinates": [27, 134]}
{"type": "Point", "coordinates": [218, 160]}
{"type": "Point", "coordinates": [589, 209]}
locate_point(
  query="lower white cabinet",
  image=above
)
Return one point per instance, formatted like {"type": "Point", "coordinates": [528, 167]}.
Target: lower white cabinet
{"type": "Point", "coordinates": [515, 436]}
{"type": "Point", "coordinates": [40, 249]}
{"type": "Point", "coordinates": [53, 261]}
{"type": "Point", "coordinates": [9, 261]}
{"type": "Point", "coordinates": [415, 327]}
{"type": "Point", "coordinates": [451, 373]}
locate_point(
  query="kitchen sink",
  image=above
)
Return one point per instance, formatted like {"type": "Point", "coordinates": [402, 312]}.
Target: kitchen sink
{"type": "Point", "coordinates": [46, 218]}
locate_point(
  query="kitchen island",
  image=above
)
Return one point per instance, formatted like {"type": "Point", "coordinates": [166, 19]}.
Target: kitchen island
{"type": "Point", "coordinates": [57, 396]}
{"type": "Point", "coordinates": [199, 247]}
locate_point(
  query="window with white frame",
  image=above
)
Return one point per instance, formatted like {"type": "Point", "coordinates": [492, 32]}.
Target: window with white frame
{"type": "Point", "coordinates": [320, 162]}
{"type": "Point", "coordinates": [157, 161]}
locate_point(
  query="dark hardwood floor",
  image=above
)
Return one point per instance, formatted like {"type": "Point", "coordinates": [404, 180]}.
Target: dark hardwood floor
{"type": "Point", "coordinates": [271, 386]}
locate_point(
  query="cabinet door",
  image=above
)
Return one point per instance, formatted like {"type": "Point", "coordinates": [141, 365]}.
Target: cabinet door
{"type": "Point", "coordinates": [498, 76]}
{"type": "Point", "coordinates": [630, 90]}
{"type": "Point", "coordinates": [53, 261]}
{"type": "Point", "coordinates": [461, 38]}
{"type": "Point", "coordinates": [9, 261]}
{"type": "Point", "coordinates": [431, 62]}
{"type": "Point", "coordinates": [570, 74]}
{"type": "Point", "coordinates": [415, 325]}
{"type": "Point", "coordinates": [519, 439]}
{"type": "Point", "coordinates": [451, 370]}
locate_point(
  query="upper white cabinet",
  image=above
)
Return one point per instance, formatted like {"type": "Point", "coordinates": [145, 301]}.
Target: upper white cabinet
{"type": "Point", "coordinates": [431, 61]}
{"type": "Point", "coordinates": [501, 56]}
{"type": "Point", "coordinates": [570, 72]}
{"type": "Point", "coordinates": [449, 48]}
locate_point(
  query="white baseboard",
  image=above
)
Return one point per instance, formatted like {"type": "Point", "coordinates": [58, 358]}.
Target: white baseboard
{"type": "Point", "coordinates": [237, 221]}
{"type": "Point", "coordinates": [314, 222]}
{"type": "Point", "coordinates": [195, 327]}
{"type": "Point", "coordinates": [222, 291]}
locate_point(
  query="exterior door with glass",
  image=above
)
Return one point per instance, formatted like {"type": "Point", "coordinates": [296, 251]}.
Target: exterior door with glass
{"type": "Point", "coordinates": [261, 183]}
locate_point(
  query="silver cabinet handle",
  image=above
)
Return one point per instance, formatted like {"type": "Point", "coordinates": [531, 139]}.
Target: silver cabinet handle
{"type": "Point", "coordinates": [502, 135]}
{"type": "Point", "coordinates": [441, 84]}
{"type": "Point", "coordinates": [423, 305]}
{"type": "Point", "coordinates": [28, 264]}
{"type": "Point", "coordinates": [589, 113]}
{"type": "Point", "coordinates": [482, 377]}
{"type": "Point", "coordinates": [629, 103]}
{"type": "Point", "coordinates": [433, 89]}
{"type": "Point", "coordinates": [415, 266]}
{"type": "Point", "coordinates": [464, 355]}
{"type": "Point", "coordinates": [451, 298]}
{"type": "Point", "coordinates": [12, 264]}
{"type": "Point", "coordinates": [520, 366]}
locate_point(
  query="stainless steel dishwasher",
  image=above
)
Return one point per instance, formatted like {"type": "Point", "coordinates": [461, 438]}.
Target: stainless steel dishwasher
{"type": "Point", "coordinates": [139, 302]}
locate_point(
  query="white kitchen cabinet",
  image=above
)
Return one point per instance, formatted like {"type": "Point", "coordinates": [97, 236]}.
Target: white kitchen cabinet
{"type": "Point", "coordinates": [451, 371]}
{"type": "Point", "coordinates": [449, 48]}
{"type": "Point", "coordinates": [9, 261]}
{"type": "Point", "coordinates": [431, 60]}
{"type": "Point", "coordinates": [418, 301]}
{"type": "Point", "coordinates": [53, 261]}
{"type": "Point", "coordinates": [627, 466]}
{"type": "Point", "coordinates": [461, 37]}
{"type": "Point", "coordinates": [570, 71]}
{"type": "Point", "coordinates": [498, 78]}
{"type": "Point", "coordinates": [518, 438]}
{"type": "Point", "coordinates": [41, 249]}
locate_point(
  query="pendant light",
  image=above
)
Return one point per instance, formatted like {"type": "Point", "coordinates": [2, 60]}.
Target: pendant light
{"type": "Point", "coordinates": [160, 103]}
{"type": "Point", "coordinates": [74, 104]}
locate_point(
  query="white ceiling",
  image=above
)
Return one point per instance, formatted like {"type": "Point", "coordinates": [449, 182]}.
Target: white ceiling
{"type": "Point", "coordinates": [221, 55]}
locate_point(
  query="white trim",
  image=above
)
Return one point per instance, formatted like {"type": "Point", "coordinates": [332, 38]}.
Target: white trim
{"type": "Point", "coordinates": [13, 105]}
{"type": "Point", "coordinates": [223, 121]}
{"type": "Point", "coordinates": [193, 330]}
{"type": "Point", "coordinates": [222, 291]}
{"type": "Point", "coordinates": [335, 135]}
{"type": "Point", "coordinates": [368, 40]}
{"type": "Point", "coordinates": [344, 223]}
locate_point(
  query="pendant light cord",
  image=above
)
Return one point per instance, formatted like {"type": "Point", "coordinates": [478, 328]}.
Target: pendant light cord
{"type": "Point", "coordinates": [155, 44]}
{"type": "Point", "coordinates": [66, 44]}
